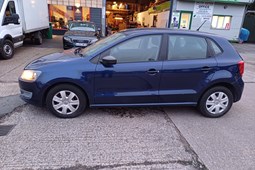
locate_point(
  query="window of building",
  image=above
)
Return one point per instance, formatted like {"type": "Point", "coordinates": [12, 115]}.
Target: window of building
{"type": "Point", "coordinates": [182, 47]}
{"type": "Point", "coordinates": [221, 22]}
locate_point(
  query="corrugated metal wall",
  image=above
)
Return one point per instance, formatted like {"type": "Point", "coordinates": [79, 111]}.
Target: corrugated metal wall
{"type": "Point", "coordinates": [96, 16]}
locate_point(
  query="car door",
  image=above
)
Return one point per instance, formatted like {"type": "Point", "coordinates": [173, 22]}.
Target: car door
{"type": "Point", "coordinates": [187, 69]}
{"type": "Point", "coordinates": [136, 76]}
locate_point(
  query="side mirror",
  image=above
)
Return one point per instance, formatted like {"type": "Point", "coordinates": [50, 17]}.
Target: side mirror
{"type": "Point", "coordinates": [16, 19]}
{"type": "Point", "coordinates": [13, 19]}
{"type": "Point", "coordinates": [108, 61]}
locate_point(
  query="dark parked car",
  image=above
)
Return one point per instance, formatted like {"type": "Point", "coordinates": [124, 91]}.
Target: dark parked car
{"type": "Point", "coordinates": [80, 34]}
{"type": "Point", "coordinates": [140, 67]}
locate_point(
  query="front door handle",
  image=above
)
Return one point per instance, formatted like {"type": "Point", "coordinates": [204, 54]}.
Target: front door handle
{"type": "Point", "coordinates": [206, 69]}
{"type": "Point", "coordinates": [152, 71]}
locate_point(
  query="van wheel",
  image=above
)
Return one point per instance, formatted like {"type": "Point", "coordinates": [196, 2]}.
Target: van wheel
{"type": "Point", "coordinates": [216, 102]}
{"type": "Point", "coordinates": [7, 50]}
{"type": "Point", "coordinates": [38, 38]}
{"type": "Point", "coordinates": [66, 101]}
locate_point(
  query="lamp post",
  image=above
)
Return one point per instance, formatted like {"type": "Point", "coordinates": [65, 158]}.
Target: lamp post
{"type": "Point", "coordinates": [103, 22]}
{"type": "Point", "coordinates": [170, 13]}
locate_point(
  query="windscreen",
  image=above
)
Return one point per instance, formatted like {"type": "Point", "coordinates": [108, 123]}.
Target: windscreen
{"type": "Point", "coordinates": [82, 26]}
{"type": "Point", "coordinates": [102, 43]}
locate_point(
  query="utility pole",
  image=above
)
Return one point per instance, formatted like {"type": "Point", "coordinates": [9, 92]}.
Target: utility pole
{"type": "Point", "coordinates": [170, 13]}
{"type": "Point", "coordinates": [103, 22]}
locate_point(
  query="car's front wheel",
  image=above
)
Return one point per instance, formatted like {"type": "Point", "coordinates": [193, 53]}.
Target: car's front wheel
{"type": "Point", "coordinates": [66, 101]}
{"type": "Point", "coordinates": [216, 102]}
{"type": "Point", "coordinates": [7, 50]}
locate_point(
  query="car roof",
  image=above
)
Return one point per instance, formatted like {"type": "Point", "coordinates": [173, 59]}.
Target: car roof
{"type": "Point", "coordinates": [166, 30]}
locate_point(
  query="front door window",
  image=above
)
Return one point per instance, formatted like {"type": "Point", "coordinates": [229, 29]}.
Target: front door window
{"type": "Point", "coordinates": [139, 49]}
{"type": "Point", "coordinates": [10, 9]}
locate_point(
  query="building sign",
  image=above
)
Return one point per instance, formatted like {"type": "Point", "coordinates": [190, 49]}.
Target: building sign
{"type": "Point", "coordinates": [203, 10]}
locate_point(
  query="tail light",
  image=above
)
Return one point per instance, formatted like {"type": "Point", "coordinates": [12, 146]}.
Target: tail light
{"type": "Point", "coordinates": [241, 67]}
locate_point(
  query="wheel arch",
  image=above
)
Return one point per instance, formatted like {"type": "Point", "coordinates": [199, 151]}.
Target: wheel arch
{"type": "Point", "coordinates": [61, 83]}
{"type": "Point", "coordinates": [8, 37]}
{"type": "Point", "coordinates": [222, 84]}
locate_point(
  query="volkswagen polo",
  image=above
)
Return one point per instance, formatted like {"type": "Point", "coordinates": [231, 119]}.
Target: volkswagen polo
{"type": "Point", "coordinates": [138, 67]}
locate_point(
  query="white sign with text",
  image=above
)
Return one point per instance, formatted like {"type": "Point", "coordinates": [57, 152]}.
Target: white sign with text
{"type": "Point", "coordinates": [203, 10]}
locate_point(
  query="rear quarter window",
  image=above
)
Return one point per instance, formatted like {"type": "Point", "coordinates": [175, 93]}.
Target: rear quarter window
{"type": "Point", "coordinates": [215, 47]}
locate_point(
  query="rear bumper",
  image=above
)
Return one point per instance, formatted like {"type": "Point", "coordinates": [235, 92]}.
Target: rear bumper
{"type": "Point", "coordinates": [238, 86]}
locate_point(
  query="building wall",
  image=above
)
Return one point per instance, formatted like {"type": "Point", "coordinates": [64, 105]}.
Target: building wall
{"type": "Point", "coordinates": [146, 19]}
{"type": "Point", "coordinates": [96, 16]}
{"type": "Point", "coordinates": [163, 19]}
{"type": "Point", "coordinates": [236, 11]}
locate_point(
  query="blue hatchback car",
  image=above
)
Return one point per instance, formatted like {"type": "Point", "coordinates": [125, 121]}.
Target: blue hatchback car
{"type": "Point", "coordinates": [138, 67]}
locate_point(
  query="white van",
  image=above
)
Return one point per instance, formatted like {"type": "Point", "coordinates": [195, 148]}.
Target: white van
{"type": "Point", "coordinates": [21, 19]}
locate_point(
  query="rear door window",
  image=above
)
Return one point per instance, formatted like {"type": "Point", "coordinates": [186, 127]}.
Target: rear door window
{"type": "Point", "coordinates": [184, 47]}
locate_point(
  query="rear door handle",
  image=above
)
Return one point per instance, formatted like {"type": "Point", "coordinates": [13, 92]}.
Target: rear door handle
{"type": "Point", "coordinates": [152, 71]}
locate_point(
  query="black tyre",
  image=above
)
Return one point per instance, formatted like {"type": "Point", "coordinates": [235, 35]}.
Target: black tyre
{"type": "Point", "coordinates": [65, 48]}
{"type": "Point", "coordinates": [216, 102]}
{"type": "Point", "coordinates": [7, 50]}
{"type": "Point", "coordinates": [38, 38]}
{"type": "Point", "coordinates": [66, 101]}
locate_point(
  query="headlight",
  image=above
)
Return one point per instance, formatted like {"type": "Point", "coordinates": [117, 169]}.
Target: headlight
{"type": "Point", "coordinates": [30, 75]}
{"type": "Point", "coordinates": [68, 39]}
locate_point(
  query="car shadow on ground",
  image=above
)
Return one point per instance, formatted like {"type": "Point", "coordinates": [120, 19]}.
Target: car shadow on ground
{"type": "Point", "coordinates": [125, 112]}
{"type": "Point", "coordinates": [55, 42]}
{"type": "Point", "coordinates": [33, 112]}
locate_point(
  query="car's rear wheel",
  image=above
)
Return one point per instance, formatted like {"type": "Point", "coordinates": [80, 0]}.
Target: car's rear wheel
{"type": "Point", "coordinates": [216, 102]}
{"type": "Point", "coordinates": [38, 39]}
{"type": "Point", "coordinates": [66, 101]}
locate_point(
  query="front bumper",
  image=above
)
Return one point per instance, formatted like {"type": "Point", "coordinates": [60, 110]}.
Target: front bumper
{"type": "Point", "coordinates": [27, 95]}
{"type": "Point", "coordinates": [31, 93]}
{"type": "Point", "coordinates": [68, 45]}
